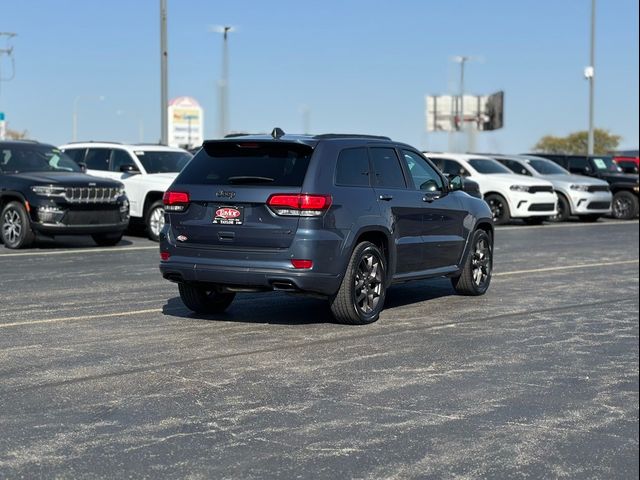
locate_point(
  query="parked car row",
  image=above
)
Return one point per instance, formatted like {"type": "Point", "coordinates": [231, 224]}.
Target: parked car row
{"type": "Point", "coordinates": [544, 187]}
{"type": "Point", "coordinates": [43, 188]}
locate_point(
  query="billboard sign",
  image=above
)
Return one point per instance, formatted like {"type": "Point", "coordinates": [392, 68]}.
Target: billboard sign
{"type": "Point", "coordinates": [186, 123]}
{"type": "Point", "coordinates": [443, 112]}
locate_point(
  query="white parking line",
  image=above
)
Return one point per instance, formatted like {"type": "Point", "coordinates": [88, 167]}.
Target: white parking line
{"type": "Point", "coordinates": [159, 310]}
{"type": "Point", "coordinates": [80, 250]}
{"type": "Point", "coordinates": [568, 267]}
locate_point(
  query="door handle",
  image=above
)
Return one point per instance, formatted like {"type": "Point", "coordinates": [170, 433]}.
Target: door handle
{"type": "Point", "coordinates": [386, 198]}
{"type": "Point", "coordinates": [430, 197]}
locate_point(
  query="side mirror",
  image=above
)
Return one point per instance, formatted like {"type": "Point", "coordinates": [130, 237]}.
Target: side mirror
{"type": "Point", "coordinates": [456, 183]}
{"type": "Point", "coordinates": [83, 167]}
{"type": "Point", "coordinates": [129, 168]}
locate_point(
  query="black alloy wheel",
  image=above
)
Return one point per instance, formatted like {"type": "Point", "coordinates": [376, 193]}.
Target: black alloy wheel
{"type": "Point", "coordinates": [476, 273]}
{"type": "Point", "coordinates": [204, 299]}
{"type": "Point", "coordinates": [15, 229]}
{"type": "Point", "coordinates": [499, 209]}
{"type": "Point", "coordinates": [625, 206]}
{"type": "Point", "coordinates": [361, 296]}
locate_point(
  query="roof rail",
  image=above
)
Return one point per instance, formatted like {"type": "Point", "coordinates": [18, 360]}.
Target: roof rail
{"type": "Point", "coordinates": [330, 136]}
{"type": "Point", "coordinates": [234, 135]}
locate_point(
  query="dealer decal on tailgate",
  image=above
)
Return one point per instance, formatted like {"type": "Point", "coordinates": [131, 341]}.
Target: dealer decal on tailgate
{"type": "Point", "coordinates": [228, 216]}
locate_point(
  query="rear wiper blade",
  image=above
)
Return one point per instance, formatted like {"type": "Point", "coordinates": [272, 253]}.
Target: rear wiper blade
{"type": "Point", "coordinates": [250, 179]}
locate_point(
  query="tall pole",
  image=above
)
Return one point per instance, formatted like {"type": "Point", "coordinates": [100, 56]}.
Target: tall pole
{"type": "Point", "coordinates": [164, 95]}
{"type": "Point", "coordinates": [224, 83]}
{"type": "Point", "coordinates": [460, 112]}
{"type": "Point", "coordinates": [591, 76]}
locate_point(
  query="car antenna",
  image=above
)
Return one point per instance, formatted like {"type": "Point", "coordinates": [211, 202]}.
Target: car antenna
{"type": "Point", "coordinates": [277, 133]}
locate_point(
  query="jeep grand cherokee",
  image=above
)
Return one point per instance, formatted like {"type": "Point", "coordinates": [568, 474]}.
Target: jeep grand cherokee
{"type": "Point", "coordinates": [341, 216]}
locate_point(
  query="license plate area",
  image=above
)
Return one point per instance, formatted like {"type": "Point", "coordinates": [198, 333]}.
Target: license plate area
{"type": "Point", "coordinates": [228, 215]}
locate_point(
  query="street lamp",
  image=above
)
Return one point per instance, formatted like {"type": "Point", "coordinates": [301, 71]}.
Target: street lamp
{"type": "Point", "coordinates": [224, 80]}
{"type": "Point", "coordinates": [74, 134]}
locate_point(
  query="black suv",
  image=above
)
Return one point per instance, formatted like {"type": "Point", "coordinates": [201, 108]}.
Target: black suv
{"type": "Point", "coordinates": [44, 191]}
{"type": "Point", "coordinates": [340, 216]}
{"type": "Point", "coordinates": [624, 186]}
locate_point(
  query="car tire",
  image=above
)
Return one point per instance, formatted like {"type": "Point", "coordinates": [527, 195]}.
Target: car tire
{"type": "Point", "coordinates": [362, 292]}
{"type": "Point", "coordinates": [15, 226]}
{"type": "Point", "coordinates": [499, 208]}
{"type": "Point", "coordinates": [564, 210]}
{"type": "Point", "coordinates": [535, 220]}
{"type": "Point", "coordinates": [154, 220]}
{"type": "Point", "coordinates": [476, 273]}
{"type": "Point", "coordinates": [625, 206]}
{"type": "Point", "coordinates": [590, 218]}
{"type": "Point", "coordinates": [107, 239]}
{"type": "Point", "coordinates": [203, 299]}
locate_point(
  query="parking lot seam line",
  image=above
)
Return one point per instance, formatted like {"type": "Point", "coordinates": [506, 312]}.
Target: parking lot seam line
{"type": "Point", "coordinates": [334, 338]}
{"type": "Point", "coordinates": [566, 225]}
{"type": "Point", "coordinates": [568, 267]}
{"type": "Point", "coordinates": [81, 317]}
{"type": "Point", "coordinates": [79, 250]}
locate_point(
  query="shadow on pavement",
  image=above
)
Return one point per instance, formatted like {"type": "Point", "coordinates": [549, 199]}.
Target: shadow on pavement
{"type": "Point", "coordinates": [283, 309]}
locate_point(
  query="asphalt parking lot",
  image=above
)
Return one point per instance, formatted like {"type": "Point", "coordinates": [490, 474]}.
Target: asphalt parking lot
{"type": "Point", "coordinates": [104, 373]}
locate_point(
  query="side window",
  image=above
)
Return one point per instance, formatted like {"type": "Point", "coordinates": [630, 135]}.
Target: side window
{"type": "Point", "coordinates": [424, 175]}
{"type": "Point", "coordinates": [578, 164]}
{"type": "Point", "coordinates": [352, 167]}
{"type": "Point", "coordinates": [76, 154]}
{"type": "Point", "coordinates": [119, 158]}
{"type": "Point", "coordinates": [451, 167]}
{"type": "Point", "coordinates": [515, 167]}
{"type": "Point", "coordinates": [98, 158]}
{"type": "Point", "coordinates": [388, 172]}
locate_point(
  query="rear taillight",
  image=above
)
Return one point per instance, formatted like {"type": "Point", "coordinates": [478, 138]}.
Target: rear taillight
{"type": "Point", "coordinates": [304, 205]}
{"type": "Point", "coordinates": [175, 201]}
{"type": "Point", "coordinates": [164, 256]}
{"type": "Point", "coordinates": [302, 264]}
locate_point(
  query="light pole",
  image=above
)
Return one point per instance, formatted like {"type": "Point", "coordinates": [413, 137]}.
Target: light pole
{"type": "Point", "coordinates": [590, 73]}
{"type": "Point", "coordinates": [223, 84]}
{"type": "Point", "coordinates": [164, 90]}
{"type": "Point", "coordinates": [461, 60]}
{"type": "Point", "coordinates": [74, 133]}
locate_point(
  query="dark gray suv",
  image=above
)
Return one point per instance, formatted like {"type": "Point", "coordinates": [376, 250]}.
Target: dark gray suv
{"type": "Point", "coordinates": [340, 216]}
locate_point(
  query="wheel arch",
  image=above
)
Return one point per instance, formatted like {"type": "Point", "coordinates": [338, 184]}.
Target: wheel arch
{"type": "Point", "coordinates": [380, 237]}
{"type": "Point", "coordinates": [151, 197]}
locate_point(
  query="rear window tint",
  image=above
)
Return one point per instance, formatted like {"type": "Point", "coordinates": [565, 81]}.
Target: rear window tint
{"type": "Point", "coordinates": [352, 167]}
{"type": "Point", "coordinates": [248, 163]}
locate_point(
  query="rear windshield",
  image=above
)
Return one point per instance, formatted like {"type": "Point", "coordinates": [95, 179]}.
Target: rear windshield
{"type": "Point", "coordinates": [248, 163]}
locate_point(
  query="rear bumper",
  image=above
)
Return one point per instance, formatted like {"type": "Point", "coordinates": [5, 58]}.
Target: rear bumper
{"type": "Point", "coordinates": [243, 275]}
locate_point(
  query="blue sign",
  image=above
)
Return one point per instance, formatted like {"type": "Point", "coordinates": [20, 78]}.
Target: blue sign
{"type": "Point", "coordinates": [1, 116]}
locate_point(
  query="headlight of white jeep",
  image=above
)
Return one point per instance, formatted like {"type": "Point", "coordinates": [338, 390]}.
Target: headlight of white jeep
{"type": "Point", "coordinates": [519, 188]}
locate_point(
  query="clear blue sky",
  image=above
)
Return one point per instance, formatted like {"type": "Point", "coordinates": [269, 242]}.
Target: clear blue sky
{"type": "Point", "coordinates": [360, 66]}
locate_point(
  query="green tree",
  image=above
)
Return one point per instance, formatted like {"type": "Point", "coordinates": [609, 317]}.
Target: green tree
{"type": "Point", "coordinates": [577, 143]}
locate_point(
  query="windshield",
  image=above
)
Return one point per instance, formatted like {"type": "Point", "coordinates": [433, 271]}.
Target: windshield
{"type": "Point", "coordinates": [605, 164]}
{"type": "Point", "coordinates": [488, 166]}
{"type": "Point", "coordinates": [547, 167]}
{"type": "Point", "coordinates": [35, 158]}
{"type": "Point", "coordinates": [162, 162]}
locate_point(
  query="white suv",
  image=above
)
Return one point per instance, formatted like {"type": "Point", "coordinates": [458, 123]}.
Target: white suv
{"type": "Point", "coordinates": [508, 195]}
{"type": "Point", "coordinates": [146, 171]}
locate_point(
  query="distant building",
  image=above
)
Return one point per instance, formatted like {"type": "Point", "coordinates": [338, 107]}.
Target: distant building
{"type": "Point", "coordinates": [186, 123]}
